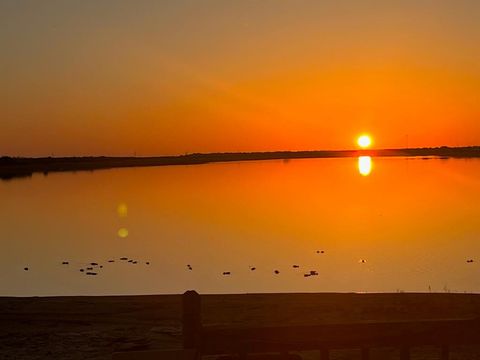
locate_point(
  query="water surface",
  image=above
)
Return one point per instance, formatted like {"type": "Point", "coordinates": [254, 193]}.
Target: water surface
{"type": "Point", "coordinates": [384, 224]}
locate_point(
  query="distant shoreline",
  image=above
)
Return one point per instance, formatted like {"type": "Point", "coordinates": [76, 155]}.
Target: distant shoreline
{"type": "Point", "coordinates": [15, 167]}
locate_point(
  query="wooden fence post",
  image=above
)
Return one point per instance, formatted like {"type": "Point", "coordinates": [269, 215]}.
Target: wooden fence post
{"type": "Point", "coordinates": [191, 319]}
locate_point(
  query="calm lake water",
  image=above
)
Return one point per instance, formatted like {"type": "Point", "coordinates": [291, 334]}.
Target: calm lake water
{"type": "Point", "coordinates": [384, 224]}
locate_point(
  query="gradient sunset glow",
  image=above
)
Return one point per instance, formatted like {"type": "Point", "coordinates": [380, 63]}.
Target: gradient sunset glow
{"type": "Point", "coordinates": [170, 77]}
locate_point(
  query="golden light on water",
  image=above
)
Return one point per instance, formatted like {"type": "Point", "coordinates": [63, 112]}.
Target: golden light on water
{"type": "Point", "coordinates": [364, 141]}
{"type": "Point", "coordinates": [365, 165]}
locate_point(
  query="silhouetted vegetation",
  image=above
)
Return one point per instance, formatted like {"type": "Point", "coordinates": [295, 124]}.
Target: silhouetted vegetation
{"type": "Point", "coordinates": [24, 167]}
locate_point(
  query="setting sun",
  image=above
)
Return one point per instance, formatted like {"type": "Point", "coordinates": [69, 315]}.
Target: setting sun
{"type": "Point", "coordinates": [364, 141]}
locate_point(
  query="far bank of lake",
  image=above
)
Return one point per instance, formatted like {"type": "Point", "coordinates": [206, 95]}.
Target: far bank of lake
{"type": "Point", "coordinates": [11, 167]}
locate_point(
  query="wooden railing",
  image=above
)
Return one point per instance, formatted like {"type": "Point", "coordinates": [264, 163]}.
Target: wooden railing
{"type": "Point", "coordinates": [363, 336]}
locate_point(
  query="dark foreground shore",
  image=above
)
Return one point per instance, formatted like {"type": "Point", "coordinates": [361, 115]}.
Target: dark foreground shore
{"type": "Point", "coordinates": [25, 167]}
{"type": "Point", "coordinates": [95, 327]}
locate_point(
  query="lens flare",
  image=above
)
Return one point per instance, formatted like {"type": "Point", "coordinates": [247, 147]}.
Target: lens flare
{"type": "Point", "coordinates": [122, 233]}
{"type": "Point", "coordinates": [122, 210]}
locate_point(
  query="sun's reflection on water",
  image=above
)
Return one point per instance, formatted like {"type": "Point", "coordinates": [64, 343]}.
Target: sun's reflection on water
{"type": "Point", "coordinates": [365, 165]}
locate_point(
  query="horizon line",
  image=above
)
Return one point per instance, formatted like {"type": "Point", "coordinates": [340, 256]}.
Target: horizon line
{"type": "Point", "coordinates": [186, 154]}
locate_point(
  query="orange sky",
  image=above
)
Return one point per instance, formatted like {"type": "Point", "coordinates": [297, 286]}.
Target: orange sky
{"type": "Point", "coordinates": [168, 77]}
